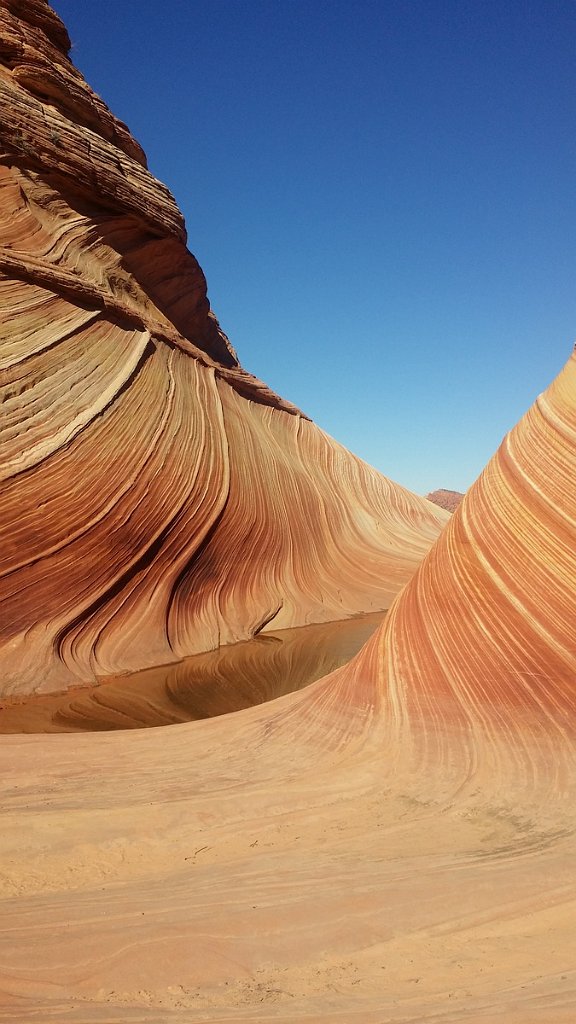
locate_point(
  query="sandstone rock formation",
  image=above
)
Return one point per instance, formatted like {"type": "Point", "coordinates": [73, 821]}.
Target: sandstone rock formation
{"type": "Point", "coordinates": [446, 499]}
{"type": "Point", "coordinates": [156, 499]}
{"type": "Point", "coordinates": [394, 843]}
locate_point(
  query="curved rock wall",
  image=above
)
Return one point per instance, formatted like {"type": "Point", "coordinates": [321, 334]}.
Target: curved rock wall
{"type": "Point", "coordinates": [482, 641]}
{"type": "Point", "coordinates": [157, 500]}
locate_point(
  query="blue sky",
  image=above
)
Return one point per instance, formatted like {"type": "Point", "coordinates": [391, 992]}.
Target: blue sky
{"type": "Point", "coordinates": [381, 195]}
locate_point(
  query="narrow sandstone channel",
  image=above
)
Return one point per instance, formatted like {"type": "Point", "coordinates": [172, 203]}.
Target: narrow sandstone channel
{"type": "Point", "coordinates": [216, 683]}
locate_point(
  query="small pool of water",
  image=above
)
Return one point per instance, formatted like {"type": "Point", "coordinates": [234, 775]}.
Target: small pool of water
{"type": "Point", "coordinates": [206, 685]}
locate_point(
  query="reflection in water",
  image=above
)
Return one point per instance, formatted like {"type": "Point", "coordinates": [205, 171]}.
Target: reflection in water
{"type": "Point", "coordinates": [203, 686]}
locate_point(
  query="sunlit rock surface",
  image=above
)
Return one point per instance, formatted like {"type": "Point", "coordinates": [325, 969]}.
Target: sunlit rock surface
{"type": "Point", "coordinates": [446, 499]}
{"type": "Point", "coordinates": [394, 843]}
{"type": "Point", "coordinates": [156, 499]}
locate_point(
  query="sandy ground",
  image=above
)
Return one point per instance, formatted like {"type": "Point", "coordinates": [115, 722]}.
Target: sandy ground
{"type": "Point", "coordinates": [284, 863]}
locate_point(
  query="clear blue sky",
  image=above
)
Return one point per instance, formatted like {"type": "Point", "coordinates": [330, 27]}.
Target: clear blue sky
{"type": "Point", "coordinates": [381, 195]}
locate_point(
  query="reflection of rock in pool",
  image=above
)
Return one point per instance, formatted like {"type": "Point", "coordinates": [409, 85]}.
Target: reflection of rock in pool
{"type": "Point", "coordinates": [229, 679]}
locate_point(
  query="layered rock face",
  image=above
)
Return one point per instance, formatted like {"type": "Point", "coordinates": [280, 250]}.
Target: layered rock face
{"type": "Point", "coordinates": [483, 638]}
{"type": "Point", "coordinates": [157, 500]}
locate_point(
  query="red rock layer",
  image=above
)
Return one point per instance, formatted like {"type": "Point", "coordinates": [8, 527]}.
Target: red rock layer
{"type": "Point", "coordinates": [446, 499]}
{"type": "Point", "coordinates": [156, 499]}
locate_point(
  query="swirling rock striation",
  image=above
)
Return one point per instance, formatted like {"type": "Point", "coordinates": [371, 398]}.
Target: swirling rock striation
{"type": "Point", "coordinates": [482, 639]}
{"type": "Point", "coordinates": [395, 842]}
{"type": "Point", "coordinates": [156, 500]}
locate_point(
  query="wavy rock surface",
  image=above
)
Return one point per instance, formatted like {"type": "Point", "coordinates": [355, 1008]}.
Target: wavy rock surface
{"type": "Point", "coordinates": [394, 843]}
{"type": "Point", "coordinates": [157, 500]}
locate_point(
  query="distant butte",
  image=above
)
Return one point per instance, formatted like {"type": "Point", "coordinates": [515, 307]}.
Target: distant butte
{"type": "Point", "coordinates": [395, 842]}
{"type": "Point", "coordinates": [448, 500]}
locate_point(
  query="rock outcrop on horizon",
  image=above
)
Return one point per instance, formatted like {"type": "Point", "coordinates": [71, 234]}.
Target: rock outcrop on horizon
{"type": "Point", "coordinates": [446, 499]}
{"type": "Point", "coordinates": [395, 842]}
{"type": "Point", "coordinates": [157, 500]}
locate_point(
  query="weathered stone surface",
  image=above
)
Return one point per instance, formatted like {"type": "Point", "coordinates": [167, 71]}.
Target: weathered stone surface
{"type": "Point", "coordinates": [488, 623]}
{"type": "Point", "coordinates": [156, 500]}
{"type": "Point", "coordinates": [446, 499]}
